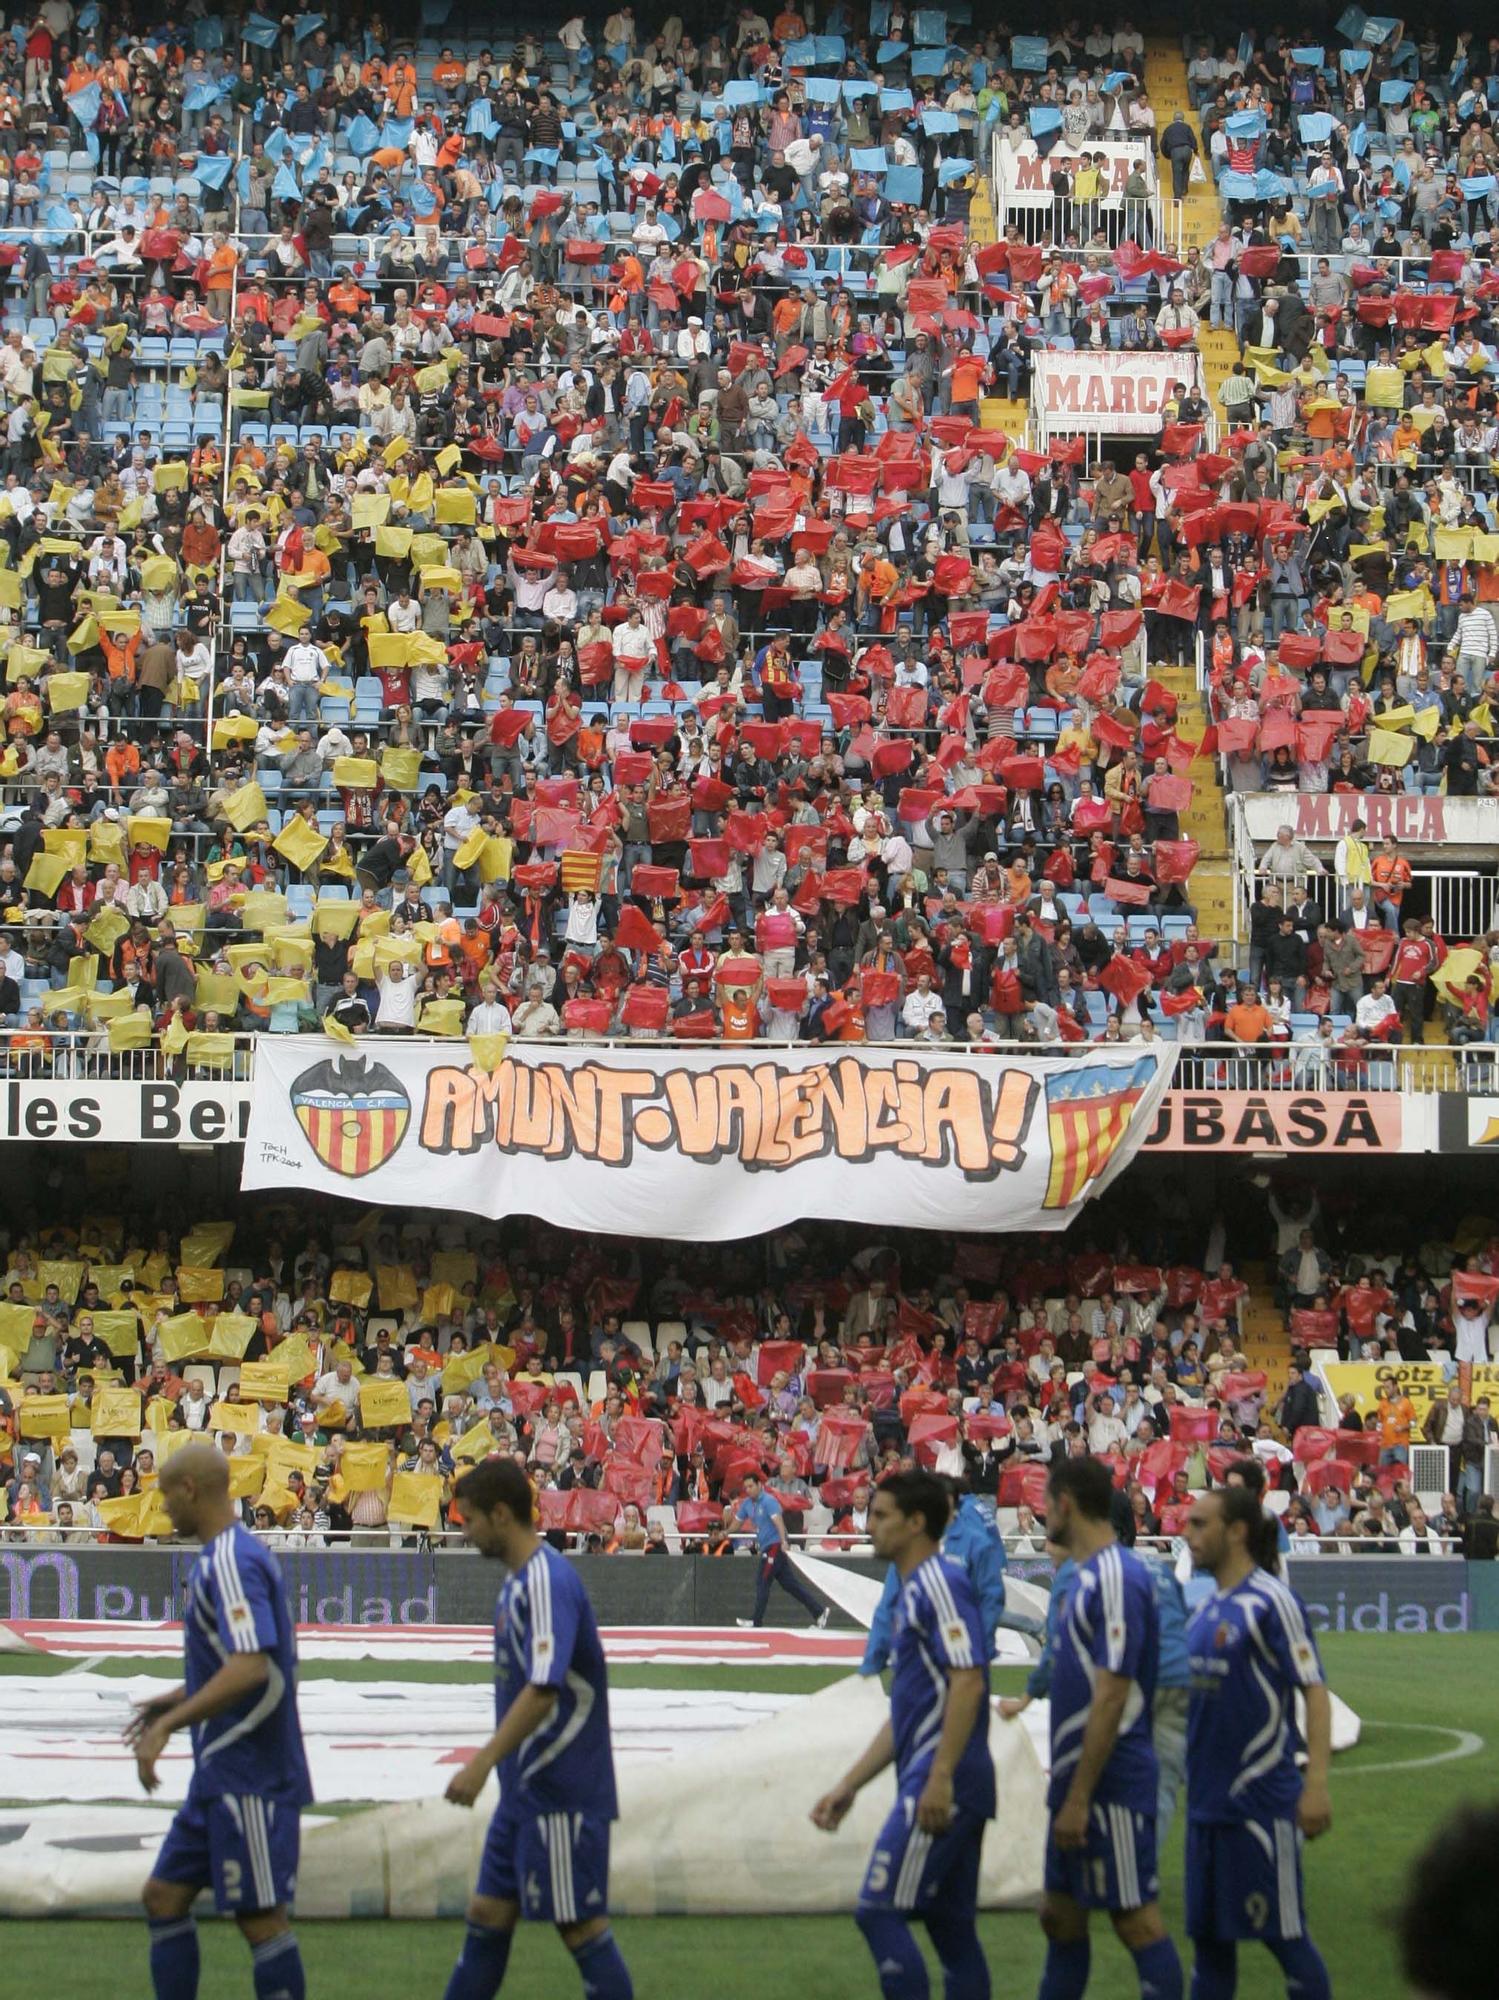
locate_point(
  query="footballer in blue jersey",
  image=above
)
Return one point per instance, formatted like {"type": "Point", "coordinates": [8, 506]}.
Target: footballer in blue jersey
{"type": "Point", "coordinates": [1101, 1841]}
{"type": "Point", "coordinates": [926, 1856]}
{"type": "Point", "coordinates": [237, 1832]}
{"type": "Point", "coordinates": [546, 1855]}
{"type": "Point", "coordinates": [1249, 1805]}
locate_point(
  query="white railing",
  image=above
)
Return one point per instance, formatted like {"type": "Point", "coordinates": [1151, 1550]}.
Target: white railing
{"type": "Point", "coordinates": [84, 1055]}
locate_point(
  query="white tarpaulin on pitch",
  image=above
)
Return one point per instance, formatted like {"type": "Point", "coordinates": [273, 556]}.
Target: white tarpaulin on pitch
{"type": "Point", "coordinates": [712, 1820]}
{"type": "Point", "coordinates": [706, 1144]}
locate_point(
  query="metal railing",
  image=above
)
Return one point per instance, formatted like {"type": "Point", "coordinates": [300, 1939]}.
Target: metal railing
{"type": "Point", "coordinates": [1460, 901]}
{"type": "Point", "coordinates": [1281, 1064]}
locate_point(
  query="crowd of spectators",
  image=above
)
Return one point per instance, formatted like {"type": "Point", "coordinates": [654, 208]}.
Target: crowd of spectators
{"type": "Point", "coordinates": [350, 1374]}
{"type": "Point", "coordinates": [502, 538]}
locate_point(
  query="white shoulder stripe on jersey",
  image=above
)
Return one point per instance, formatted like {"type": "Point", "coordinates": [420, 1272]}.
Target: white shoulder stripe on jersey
{"type": "Point", "coordinates": [1111, 1587]}
{"type": "Point", "coordinates": [243, 1638]}
{"type": "Point", "coordinates": [1274, 1591]}
{"type": "Point", "coordinates": [954, 1630]}
{"type": "Point", "coordinates": [539, 1585]}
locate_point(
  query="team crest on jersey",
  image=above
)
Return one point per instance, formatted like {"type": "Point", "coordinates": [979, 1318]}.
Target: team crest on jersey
{"type": "Point", "coordinates": [354, 1114]}
{"type": "Point", "coordinates": [955, 1633]}
{"type": "Point", "coordinates": [1224, 1636]}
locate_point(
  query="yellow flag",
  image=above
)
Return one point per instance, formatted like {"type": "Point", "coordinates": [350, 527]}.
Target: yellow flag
{"type": "Point", "coordinates": [116, 1413]}
{"type": "Point", "coordinates": [66, 693]}
{"type": "Point", "coordinates": [364, 1467]}
{"type": "Point", "coordinates": [122, 1515]}
{"type": "Point", "coordinates": [231, 1335]}
{"type": "Point", "coordinates": [148, 830]}
{"type": "Point", "coordinates": [1384, 388]}
{"type": "Point", "coordinates": [448, 459]}
{"type": "Point", "coordinates": [383, 1403]}
{"type": "Point", "coordinates": [287, 614]}
{"type": "Point", "coordinates": [263, 910]}
{"type": "Point", "coordinates": [441, 1017]}
{"type": "Point", "coordinates": [420, 867]}
{"type": "Point", "coordinates": [216, 993]}
{"type": "Point", "coordinates": [1386, 747]}
{"type": "Point", "coordinates": [415, 1499]}
{"type": "Point", "coordinates": [229, 729]}
{"type": "Point", "coordinates": [64, 1272]}
{"type": "Point", "coordinates": [264, 1381]}
{"type": "Point", "coordinates": [389, 649]}
{"type": "Point", "coordinates": [355, 773]}
{"type": "Point", "coordinates": [465, 1368]}
{"type": "Point", "coordinates": [1415, 604]}
{"type": "Point", "coordinates": [44, 1416]}
{"type": "Point", "coordinates": [335, 916]}
{"type": "Point", "coordinates": [183, 1337]}
{"type": "Point", "coordinates": [199, 1285]}
{"type": "Point", "coordinates": [300, 844]}
{"type": "Point", "coordinates": [120, 1332]}
{"type": "Point", "coordinates": [130, 1031]}
{"type": "Point", "coordinates": [46, 872]}
{"type": "Point", "coordinates": [370, 510]}
{"type": "Point", "coordinates": [393, 542]}
{"type": "Point", "coordinates": [247, 1474]}
{"type": "Point", "coordinates": [488, 1051]}
{"type": "Point", "coordinates": [401, 769]}
{"type": "Point", "coordinates": [455, 506]}
{"type": "Point", "coordinates": [396, 1284]}
{"type": "Point", "coordinates": [425, 650]}
{"type": "Point", "coordinates": [351, 1288]}
{"type": "Point", "coordinates": [158, 573]}
{"type": "Point", "coordinates": [170, 477]}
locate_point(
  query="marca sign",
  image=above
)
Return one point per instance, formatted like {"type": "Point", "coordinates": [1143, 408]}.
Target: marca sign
{"type": "Point", "coordinates": [1025, 177]}
{"type": "Point", "coordinates": [705, 1145]}
{"type": "Point", "coordinates": [1121, 394]}
{"type": "Point", "coordinates": [1420, 819]}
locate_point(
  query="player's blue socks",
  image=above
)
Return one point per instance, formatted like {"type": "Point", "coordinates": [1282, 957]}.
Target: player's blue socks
{"type": "Point", "coordinates": [897, 1956]}
{"type": "Point", "coordinates": [1159, 1970]}
{"type": "Point", "coordinates": [1066, 1973]}
{"type": "Point", "coordinates": [604, 1973]}
{"type": "Point", "coordinates": [965, 1970]}
{"type": "Point", "coordinates": [1306, 1975]}
{"type": "Point", "coordinates": [278, 1969]}
{"type": "Point", "coordinates": [1215, 1969]}
{"type": "Point", "coordinates": [174, 1957]}
{"type": "Point", "coordinates": [481, 1964]}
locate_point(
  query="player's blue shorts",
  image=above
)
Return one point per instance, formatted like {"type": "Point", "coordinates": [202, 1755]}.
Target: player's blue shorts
{"type": "Point", "coordinates": [555, 1865]}
{"type": "Point", "coordinates": [908, 1869]}
{"type": "Point", "coordinates": [1244, 1880]}
{"type": "Point", "coordinates": [243, 1846]}
{"type": "Point", "coordinates": [1114, 1869]}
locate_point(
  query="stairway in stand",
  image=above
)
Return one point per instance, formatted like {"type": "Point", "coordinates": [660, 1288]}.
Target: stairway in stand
{"type": "Point", "coordinates": [1263, 1333]}
{"type": "Point", "coordinates": [1166, 88]}
{"type": "Point", "coordinates": [1205, 820]}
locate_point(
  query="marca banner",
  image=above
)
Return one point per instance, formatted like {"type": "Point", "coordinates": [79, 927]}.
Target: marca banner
{"type": "Point", "coordinates": [1425, 1382]}
{"type": "Point", "coordinates": [705, 1144]}
{"type": "Point", "coordinates": [1415, 818]}
{"type": "Point", "coordinates": [1025, 177]}
{"type": "Point", "coordinates": [1116, 394]}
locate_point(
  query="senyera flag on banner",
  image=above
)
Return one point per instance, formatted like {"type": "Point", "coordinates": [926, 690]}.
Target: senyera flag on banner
{"type": "Point", "coordinates": [704, 1144]}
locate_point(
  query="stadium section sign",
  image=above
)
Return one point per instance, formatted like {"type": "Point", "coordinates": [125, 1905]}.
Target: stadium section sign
{"type": "Point", "coordinates": [1287, 1121]}
{"type": "Point", "coordinates": [114, 1111]}
{"type": "Point", "coordinates": [704, 1144]}
{"type": "Point", "coordinates": [1419, 819]}
{"type": "Point", "coordinates": [1025, 176]}
{"type": "Point", "coordinates": [1116, 394]}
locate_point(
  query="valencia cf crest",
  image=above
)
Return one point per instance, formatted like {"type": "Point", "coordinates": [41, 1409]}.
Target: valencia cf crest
{"type": "Point", "coordinates": [355, 1114]}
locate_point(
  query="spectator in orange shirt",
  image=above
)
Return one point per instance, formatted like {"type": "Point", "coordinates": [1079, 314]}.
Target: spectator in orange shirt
{"type": "Point", "coordinates": [1396, 1415]}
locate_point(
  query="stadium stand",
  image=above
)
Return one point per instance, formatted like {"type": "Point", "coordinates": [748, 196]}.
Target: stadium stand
{"type": "Point", "coordinates": [563, 535]}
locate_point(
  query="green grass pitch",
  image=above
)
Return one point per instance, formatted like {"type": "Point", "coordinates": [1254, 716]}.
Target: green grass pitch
{"type": "Point", "coordinates": [1422, 1700]}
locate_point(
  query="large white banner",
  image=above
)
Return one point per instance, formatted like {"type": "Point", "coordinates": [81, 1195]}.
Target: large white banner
{"type": "Point", "coordinates": [1115, 394]}
{"type": "Point", "coordinates": [1025, 177]}
{"type": "Point", "coordinates": [703, 1144]}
